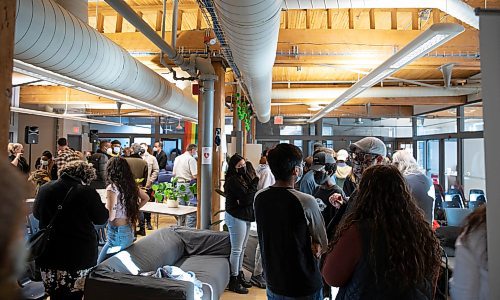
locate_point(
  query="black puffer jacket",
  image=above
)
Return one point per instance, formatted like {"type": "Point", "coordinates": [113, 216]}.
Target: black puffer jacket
{"type": "Point", "coordinates": [240, 198]}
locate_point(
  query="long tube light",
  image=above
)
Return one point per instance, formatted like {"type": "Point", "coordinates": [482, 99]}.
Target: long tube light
{"type": "Point", "coordinates": [33, 71]}
{"type": "Point", "coordinates": [61, 116]}
{"type": "Point", "coordinates": [435, 36]}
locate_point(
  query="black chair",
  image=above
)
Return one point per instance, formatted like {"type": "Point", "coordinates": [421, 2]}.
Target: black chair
{"type": "Point", "coordinates": [453, 201]}
{"type": "Point", "coordinates": [476, 198]}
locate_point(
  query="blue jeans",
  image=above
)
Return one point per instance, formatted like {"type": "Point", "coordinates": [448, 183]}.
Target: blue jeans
{"type": "Point", "coordinates": [316, 296]}
{"type": "Point", "coordinates": [238, 234]}
{"type": "Point", "coordinates": [119, 238]}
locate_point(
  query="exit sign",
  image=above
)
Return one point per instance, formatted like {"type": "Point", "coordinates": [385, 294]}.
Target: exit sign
{"type": "Point", "coordinates": [76, 129]}
{"type": "Point", "coordinates": [278, 120]}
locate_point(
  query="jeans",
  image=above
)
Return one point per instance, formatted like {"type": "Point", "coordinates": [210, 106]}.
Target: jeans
{"type": "Point", "coordinates": [188, 220]}
{"type": "Point", "coordinates": [257, 269]}
{"type": "Point", "coordinates": [119, 238]}
{"type": "Point", "coordinates": [318, 295]}
{"type": "Point", "coordinates": [238, 234]}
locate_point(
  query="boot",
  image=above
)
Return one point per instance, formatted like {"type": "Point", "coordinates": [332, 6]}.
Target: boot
{"type": "Point", "coordinates": [235, 286]}
{"type": "Point", "coordinates": [148, 225]}
{"type": "Point", "coordinates": [141, 231]}
{"type": "Point", "coordinates": [243, 282]}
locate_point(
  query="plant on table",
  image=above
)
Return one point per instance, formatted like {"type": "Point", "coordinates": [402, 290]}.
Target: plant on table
{"type": "Point", "coordinates": [171, 192]}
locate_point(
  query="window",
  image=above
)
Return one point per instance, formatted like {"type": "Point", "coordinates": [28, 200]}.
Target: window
{"type": "Point", "coordinates": [473, 117]}
{"type": "Point", "coordinates": [444, 121]}
{"type": "Point", "coordinates": [474, 166]}
{"type": "Point", "coordinates": [450, 163]}
{"type": "Point", "coordinates": [421, 154]}
{"type": "Point", "coordinates": [298, 143]}
{"type": "Point", "coordinates": [291, 130]}
{"type": "Point", "coordinates": [432, 166]}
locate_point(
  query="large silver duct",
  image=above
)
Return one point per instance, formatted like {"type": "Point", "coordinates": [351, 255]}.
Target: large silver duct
{"type": "Point", "coordinates": [455, 8]}
{"type": "Point", "coordinates": [251, 28]}
{"type": "Point", "coordinates": [49, 37]}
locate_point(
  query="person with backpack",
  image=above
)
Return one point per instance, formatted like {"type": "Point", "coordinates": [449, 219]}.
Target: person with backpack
{"type": "Point", "coordinates": [99, 161]}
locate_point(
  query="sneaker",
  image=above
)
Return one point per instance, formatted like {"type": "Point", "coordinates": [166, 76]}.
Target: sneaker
{"type": "Point", "coordinates": [258, 281]}
{"type": "Point", "coordinates": [235, 285]}
{"type": "Point", "coordinates": [243, 281]}
{"type": "Point", "coordinates": [141, 231]}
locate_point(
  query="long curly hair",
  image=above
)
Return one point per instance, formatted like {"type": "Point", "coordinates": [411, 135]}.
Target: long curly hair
{"type": "Point", "coordinates": [384, 203]}
{"type": "Point", "coordinates": [80, 169]}
{"type": "Point", "coordinates": [118, 172]}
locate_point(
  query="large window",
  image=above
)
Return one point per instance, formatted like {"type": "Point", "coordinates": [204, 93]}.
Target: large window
{"type": "Point", "coordinates": [439, 122]}
{"type": "Point", "coordinates": [385, 127]}
{"type": "Point", "coordinates": [474, 165]}
{"type": "Point", "coordinates": [291, 130]}
{"type": "Point", "coordinates": [432, 166]}
{"type": "Point", "coordinates": [450, 163]}
{"type": "Point", "coordinates": [473, 117]}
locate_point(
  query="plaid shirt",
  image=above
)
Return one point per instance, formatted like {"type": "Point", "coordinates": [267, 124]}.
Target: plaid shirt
{"type": "Point", "coordinates": [66, 156]}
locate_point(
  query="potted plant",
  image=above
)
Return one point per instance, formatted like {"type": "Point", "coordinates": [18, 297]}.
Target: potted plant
{"type": "Point", "coordinates": [170, 193]}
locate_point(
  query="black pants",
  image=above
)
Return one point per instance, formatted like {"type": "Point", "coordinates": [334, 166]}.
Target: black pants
{"type": "Point", "coordinates": [145, 216]}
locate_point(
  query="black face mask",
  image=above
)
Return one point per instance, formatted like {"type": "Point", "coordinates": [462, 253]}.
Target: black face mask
{"type": "Point", "coordinates": [242, 170]}
{"type": "Point", "coordinates": [320, 177]}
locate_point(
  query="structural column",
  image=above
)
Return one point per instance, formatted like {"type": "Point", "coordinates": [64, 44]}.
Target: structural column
{"type": "Point", "coordinates": [206, 142]}
{"type": "Point", "coordinates": [7, 22]}
{"type": "Point", "coordinates": [237, 130]}
{"type": "Point", "coordinates": [218, 125]}
{"type": "Point", "coordinates": [489, 41]}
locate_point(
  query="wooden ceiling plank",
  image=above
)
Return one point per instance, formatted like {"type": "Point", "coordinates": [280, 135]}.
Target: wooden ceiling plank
{"type": "Point", "coordinates": [119, 23]}
{"type": "Point", "coordinates": [351, 18]}
{"type": "Point", "coordinates": [387, 101]}
{"type": "Point", "coordinates": [329, 15]}
{"type": "Point", "coordinates": [436, 16]}
{"type": "Point", "coordinates": [394, 19]}
{"type": "Point", "coordinates": [100, 23]}
{"type": "Point", "coordinates": [308, 18]}
{"type": "Point", "coordinates": [159, 18]}
{"type": "Point", "coordinates": [372, 18]}
{"type": "Point", "coordinates": [347, 111]}
{"type": "Point", "coordinates": [199, 17]}
{"type": "Point", "coordinates": [414, 20]}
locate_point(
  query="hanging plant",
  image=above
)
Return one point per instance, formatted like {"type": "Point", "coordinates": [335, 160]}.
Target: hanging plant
{"type": "Point", "coordinates": [244, 111]}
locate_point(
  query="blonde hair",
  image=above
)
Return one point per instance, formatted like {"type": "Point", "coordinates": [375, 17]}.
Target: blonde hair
{"type": "Point", "coordinates": [12, 147]}
{"type": "Point", "coordinates": [406, 163]}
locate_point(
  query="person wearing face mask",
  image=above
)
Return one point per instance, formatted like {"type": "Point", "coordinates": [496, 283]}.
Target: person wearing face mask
{"type": "Point", "coordinates": [240, 188]}
{"type": "Point", "coordinates": [343, 169]}
{"type": "Point", "coordinates": [367, 152]}
{"type": "Point", "coordinates": [99, 161]}
{"type": "Point", "coordinates": [153, 171]}
{"type": "Point", "coordinates": [160, 155]}
{"type": "Point", "coordinates": [116, 147]}
{"type": "Point", "coordinates": [186, 169]}
{"type": "Point", "coordinates": [291, 230]}
{"type": "Point", "coordinates": [16, 152]}
{"type": "Point", "coordinates": [46, 163]}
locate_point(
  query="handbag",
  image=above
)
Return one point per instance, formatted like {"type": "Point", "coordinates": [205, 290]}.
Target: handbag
{"type": "Point", "coordinates": [37, 243]}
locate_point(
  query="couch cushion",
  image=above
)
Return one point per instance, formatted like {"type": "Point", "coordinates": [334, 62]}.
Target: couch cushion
{"type": "Point", "coordinates": [210, 269]}
{"type": "Point", "coordinates": [204, 242]}
{"type": "Point", "coordinates": [163, 247]}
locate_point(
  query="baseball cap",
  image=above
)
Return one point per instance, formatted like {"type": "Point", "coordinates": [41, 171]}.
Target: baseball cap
{"type": "Point", "coordinates": [370, 145]}
{"type": "Point", "coordinates": [342, 155]}
{"type": "Point", "coordinates": [321, 159]}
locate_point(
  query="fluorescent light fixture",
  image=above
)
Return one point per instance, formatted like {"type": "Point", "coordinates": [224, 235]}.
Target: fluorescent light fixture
{"type": "Point", "coordinates": [61, 116]}
{"type": "Point", "coordinates": [30, 70]}
{"type": "Point", "coordinates": [435, 36]}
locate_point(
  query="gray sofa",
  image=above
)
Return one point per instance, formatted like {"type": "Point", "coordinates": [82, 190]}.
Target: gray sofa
{"type": "Point", "coordinates": [204, 252]}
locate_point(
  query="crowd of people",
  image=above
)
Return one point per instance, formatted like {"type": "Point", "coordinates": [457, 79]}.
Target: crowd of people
{"type": "Point", "coordinates": [351, 219]}
{"type": "Point", "coordinates": [355, 219]}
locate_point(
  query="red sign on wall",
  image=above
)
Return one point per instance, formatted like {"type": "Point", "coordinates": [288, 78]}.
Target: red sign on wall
{"type": "Point", "coordinates": [278, 120]}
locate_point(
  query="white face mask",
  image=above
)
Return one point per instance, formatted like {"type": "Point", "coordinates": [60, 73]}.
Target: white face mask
{"type": "Point", "coordinates": [195, 155]}
{"type": "Point", "coordinates": [44, 162]}
{"type": "Point", "coordinates": [116, 150]}
{"type": "Point", "coordinates": [109, 151]}
{"type": "Point", "coordinates": [301, 173]}
{"type": "Point", "coordinates": [155, 149]}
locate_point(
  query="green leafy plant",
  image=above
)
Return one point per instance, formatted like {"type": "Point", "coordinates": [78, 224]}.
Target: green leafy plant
{"type": "Point", "coordinates": [171, 190]}
{"type": "Point", "coordinates": [244, 111]}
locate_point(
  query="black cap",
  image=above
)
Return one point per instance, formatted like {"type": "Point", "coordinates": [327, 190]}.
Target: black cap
{"type": "Point", "coordinates": [321, 159]}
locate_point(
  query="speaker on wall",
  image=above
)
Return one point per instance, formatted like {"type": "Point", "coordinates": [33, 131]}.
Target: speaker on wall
{"type": "Point", "coordinates": [94, 136]}
{"type": "Point", "coordinates": [31, 134]}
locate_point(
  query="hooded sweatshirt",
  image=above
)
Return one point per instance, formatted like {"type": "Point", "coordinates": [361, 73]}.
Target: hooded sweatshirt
{"type": "Point", "coordinates": [343, 170]}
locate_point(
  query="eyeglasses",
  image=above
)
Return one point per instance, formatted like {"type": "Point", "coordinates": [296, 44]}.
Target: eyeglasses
{"type": "Point", "coordinates": [362, 157]}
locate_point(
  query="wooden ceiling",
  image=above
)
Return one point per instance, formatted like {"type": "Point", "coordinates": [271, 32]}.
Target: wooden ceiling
{"type": "Point", "coordinates": [316, 48]}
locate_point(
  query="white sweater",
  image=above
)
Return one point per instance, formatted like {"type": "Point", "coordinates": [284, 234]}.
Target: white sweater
{"type": "Point", "coordinates": [470, 275]}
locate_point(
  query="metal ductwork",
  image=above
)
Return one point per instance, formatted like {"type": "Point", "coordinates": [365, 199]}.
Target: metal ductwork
{"type": "Point", "coordinates": [251, 28]}
{"type": "Point", "coordinates": [455, 8]}
{"type": "Point", "coordinates": [49, 37]}
{"type": "Point", "coordinates": [374, 92]}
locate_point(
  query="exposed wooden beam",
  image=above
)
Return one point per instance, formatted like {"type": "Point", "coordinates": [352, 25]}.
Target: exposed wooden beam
{"type": "Point", "coordinates": [146, 9]}
{"type": "Point", "coordinates": [388, 101]}
{"type": "Point", "coordinates": [159, 18]}
{"type": "Point", "coordinates": [308, 18]}
{"type": "Point", "coordinates": [123, 112]}
{"type": "Point", "coordinates": [436, 16]}
{"type": "Point", "coordinates": [372, 18]}
{"type": "Point", "coordinates": [394, 19]}
{"type": "Point", "coordinates": [287, 19]}
{"type": "Point", "coordinates": [347, 111]}
{"type": "Point", "coordinates": [329, 20]}
{"type": "Point", "coordinates": [46, 95]}
{"type": "Point", "coordinates": [179, 20]}
{"type": "Point", "coordinates": [100, 23]}
{"type": "Point", "coordinates": [415, 20]}
{"type": "Point", "coordinates": [119, 23]}
{"type": "Point", "coordinates": [199, 17]}
{"type": "Point", "coordinates": [351, 18]}
{"type": "Point", "coordinates": [7, 26]}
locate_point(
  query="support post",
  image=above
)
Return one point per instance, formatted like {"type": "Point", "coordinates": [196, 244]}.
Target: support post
{"type": "Point", "coordinates": [7, 24]}
{"type": "Point", "coordinates": [207, 137]}
{"type": "Point", "coordinates": [237, 129]}
{"type": "Point", "coordinates": [219, 122]}
{"type": "Point", "coordinates": [489, 41]}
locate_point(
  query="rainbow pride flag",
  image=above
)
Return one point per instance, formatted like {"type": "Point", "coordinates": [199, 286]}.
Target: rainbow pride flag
{"type": "Point", "coordinates": [190, 134]}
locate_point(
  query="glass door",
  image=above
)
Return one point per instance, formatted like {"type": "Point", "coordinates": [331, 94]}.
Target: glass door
{"type": "Point", "coordinates": [432, 160]}
{"type": "Point", "coordinates": [450, 164]}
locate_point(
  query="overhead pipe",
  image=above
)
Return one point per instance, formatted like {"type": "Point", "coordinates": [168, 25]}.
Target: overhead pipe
{"type": "Point", "coordinates": [50, 38]}
{"type": "Point", "coordinates": [374, 92]}
{"type": "Point", "coordinates": [251, 29]}
{"type": "Point", "coordinates": [174, 23]}
{"type": "Point", "coordinates": [455, 8]}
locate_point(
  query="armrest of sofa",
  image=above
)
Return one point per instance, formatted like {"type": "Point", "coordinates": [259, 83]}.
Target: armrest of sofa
{"type": "Point", "coordinates": [105, 284]}
{"type": "Point", "coordinates": [204, 242]}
